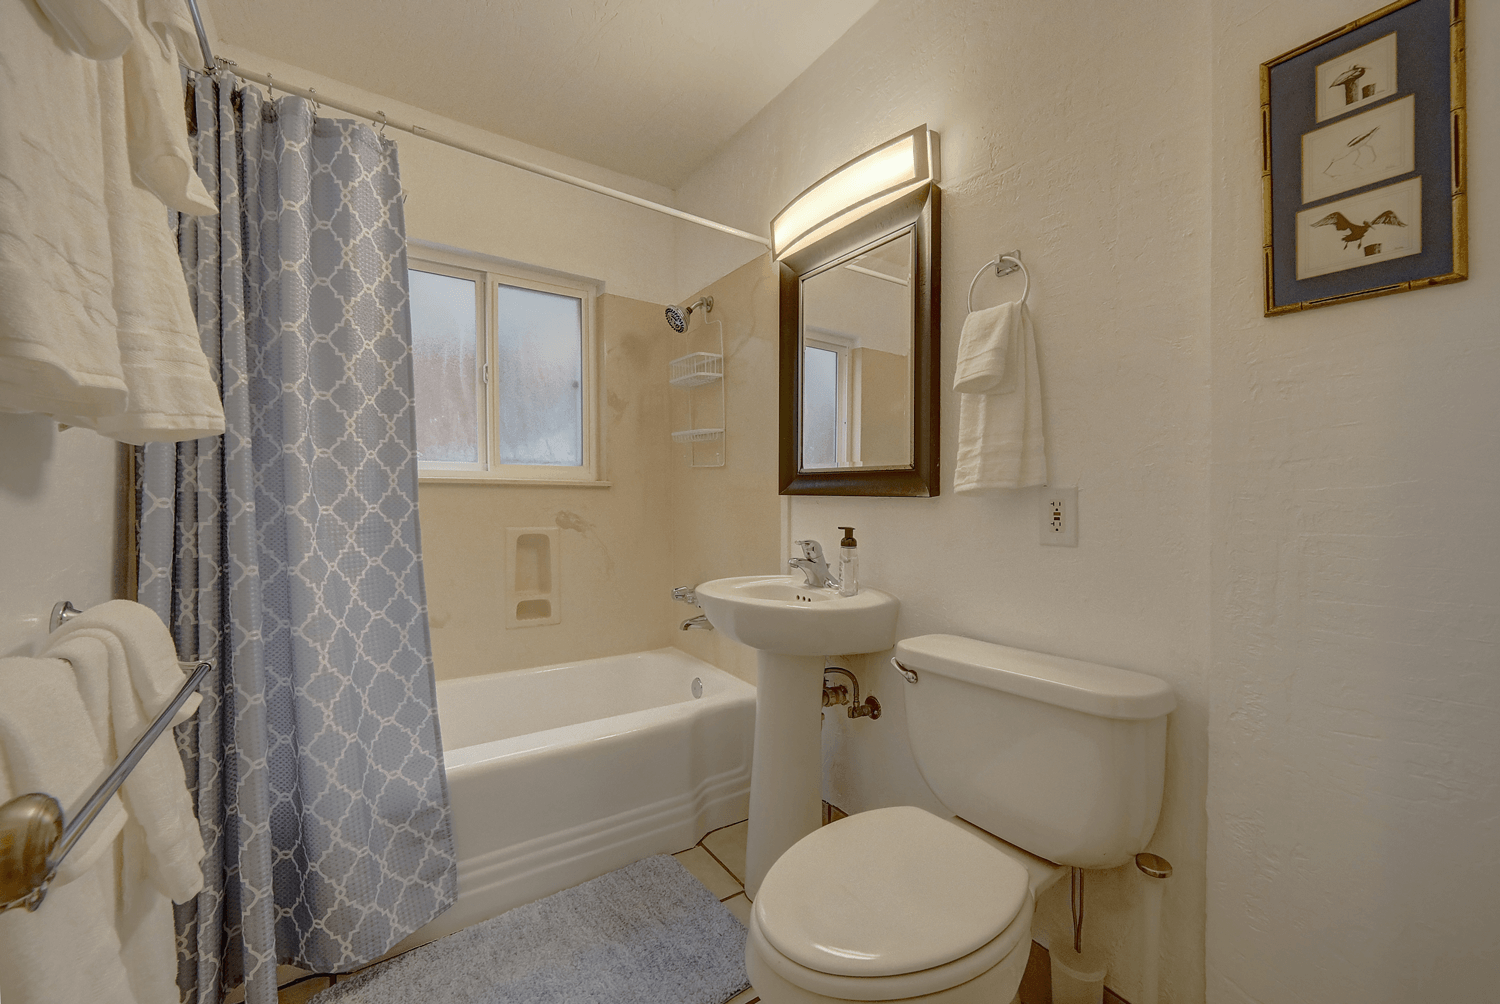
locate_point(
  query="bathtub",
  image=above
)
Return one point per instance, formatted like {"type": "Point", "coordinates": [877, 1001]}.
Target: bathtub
{"type": "Point", "coordinates": [562, 773]}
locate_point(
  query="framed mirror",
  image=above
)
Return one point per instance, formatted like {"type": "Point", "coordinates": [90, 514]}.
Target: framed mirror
{"type": "Point", "coordinates": [859, 341]}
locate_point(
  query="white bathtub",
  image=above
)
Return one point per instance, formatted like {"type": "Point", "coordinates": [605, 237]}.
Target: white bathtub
{"type": "Point", "coordinates": [560, 774]}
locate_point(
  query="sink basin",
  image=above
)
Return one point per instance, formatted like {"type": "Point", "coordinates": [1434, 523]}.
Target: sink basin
{"type": "Point", "coordinates": [778, 613]}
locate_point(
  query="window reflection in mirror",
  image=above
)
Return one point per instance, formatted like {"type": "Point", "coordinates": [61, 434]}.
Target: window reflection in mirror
{"type": "Point", "coordinates": [857, 360]}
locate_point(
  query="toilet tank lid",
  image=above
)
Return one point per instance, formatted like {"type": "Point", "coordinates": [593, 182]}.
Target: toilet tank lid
{"type": "Point", "coordinates": [1104, 691]}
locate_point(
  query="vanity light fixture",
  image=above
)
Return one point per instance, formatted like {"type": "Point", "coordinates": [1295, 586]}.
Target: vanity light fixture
{"type": "Point", "coordinates": [874, 179]}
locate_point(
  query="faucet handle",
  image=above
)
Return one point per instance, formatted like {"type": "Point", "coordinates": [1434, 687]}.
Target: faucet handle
{"type": "Point", "coordinates": [811, 549]}
{"type": "Point", "coordinates": [687, 594]}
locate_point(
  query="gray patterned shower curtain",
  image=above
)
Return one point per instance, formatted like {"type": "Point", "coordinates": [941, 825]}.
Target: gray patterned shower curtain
{"type": "Point", "coordinates": [287, 551]}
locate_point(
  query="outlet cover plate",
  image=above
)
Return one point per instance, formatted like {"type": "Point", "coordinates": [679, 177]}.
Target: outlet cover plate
{"type": "Point", "coordinates": [1059, 516]}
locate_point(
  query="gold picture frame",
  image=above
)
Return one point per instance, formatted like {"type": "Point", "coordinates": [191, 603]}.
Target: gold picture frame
{"type": "Point", "coordinates": [1303, 268]}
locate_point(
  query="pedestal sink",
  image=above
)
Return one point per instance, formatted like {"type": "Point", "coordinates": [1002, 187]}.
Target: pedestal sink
{"type": "Point", "coordinates": [793, 627]}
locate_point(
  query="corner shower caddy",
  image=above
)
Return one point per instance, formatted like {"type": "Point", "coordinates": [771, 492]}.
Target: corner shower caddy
{"type": "Point", "coordinates": [697, 379]}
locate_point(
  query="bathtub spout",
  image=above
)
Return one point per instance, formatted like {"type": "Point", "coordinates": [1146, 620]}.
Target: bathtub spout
{"type": "Point", "coordinates": [701, 621]}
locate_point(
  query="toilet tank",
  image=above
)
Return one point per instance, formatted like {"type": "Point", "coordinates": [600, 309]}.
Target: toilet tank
{"type": "Point", "coordinates": [1062, 758]}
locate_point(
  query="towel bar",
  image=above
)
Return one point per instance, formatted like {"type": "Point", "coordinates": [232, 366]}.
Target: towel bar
{"type": "Point", "coordinates": [29, 855]}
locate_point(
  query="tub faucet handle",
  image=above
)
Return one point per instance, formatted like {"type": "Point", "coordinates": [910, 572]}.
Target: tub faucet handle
{"type": "Point", "coordinates": [686, 594]}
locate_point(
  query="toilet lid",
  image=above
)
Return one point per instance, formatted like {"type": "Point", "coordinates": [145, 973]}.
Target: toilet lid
{"type": "Point", "coordinates": [887, 892]}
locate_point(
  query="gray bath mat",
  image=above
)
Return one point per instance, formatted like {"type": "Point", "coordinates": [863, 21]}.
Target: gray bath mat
{"type": "Point", "coordinates": [646, 934]}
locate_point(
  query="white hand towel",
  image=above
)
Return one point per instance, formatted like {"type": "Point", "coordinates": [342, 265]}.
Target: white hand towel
{"type": "Point", "coordinates": [69, 949]}
{"type": "Point", "coordinates": [1001, 439]}
{"type": "Point", "coordinates": [127, 672]}
{"type": "Point", "coordinates": [987, 350]}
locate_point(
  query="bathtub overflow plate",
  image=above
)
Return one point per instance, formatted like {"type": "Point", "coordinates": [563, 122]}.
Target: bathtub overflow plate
{"type": "Point", "coordinates": [697, 686]}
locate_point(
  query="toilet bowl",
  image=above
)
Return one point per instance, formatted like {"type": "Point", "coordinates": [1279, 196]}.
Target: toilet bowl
{"type": "Point", "coordinates": [1052, 763]}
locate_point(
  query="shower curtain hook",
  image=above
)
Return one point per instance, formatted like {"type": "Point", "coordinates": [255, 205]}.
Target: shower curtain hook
{"type": "Point", "coordinates": [270, 87]}
{"type": "Point", "coordinates": [317, 105]}
{"type": "Point", "coordinates": [383, 123]}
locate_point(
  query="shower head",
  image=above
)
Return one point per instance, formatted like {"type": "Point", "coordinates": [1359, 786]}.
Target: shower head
{"type": "Point", "coordinates": [678, 319]}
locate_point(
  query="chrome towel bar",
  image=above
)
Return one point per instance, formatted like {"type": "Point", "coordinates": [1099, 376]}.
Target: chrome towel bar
{"type": "Point", "coordinates": [33, 838]}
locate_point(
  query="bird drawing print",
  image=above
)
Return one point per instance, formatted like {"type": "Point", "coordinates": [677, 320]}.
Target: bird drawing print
{"type": "Point", "coordinates": [1354, 233]}
{"type": "Point", "coordinates": [1360, 155]}
{"type": "Point", "coordinates": [1349, 81]}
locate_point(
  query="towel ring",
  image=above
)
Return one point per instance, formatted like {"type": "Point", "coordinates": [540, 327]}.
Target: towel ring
{"type": "Point", "coordinates": [1014, 256]}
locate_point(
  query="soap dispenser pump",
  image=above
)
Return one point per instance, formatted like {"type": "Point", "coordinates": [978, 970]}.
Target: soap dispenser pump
{"type": "Point", "coordinates": [848, 563]}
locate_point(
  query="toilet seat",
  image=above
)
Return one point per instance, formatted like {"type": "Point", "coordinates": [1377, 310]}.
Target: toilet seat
{"type": "Point", "coordinates": [1015, 938]}
{"type": "Point", "coordinates": [889, 896]}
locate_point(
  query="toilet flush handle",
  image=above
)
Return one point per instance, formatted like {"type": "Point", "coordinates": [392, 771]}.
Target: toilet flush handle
{"type": "Point", "coordinates": [910, 675]}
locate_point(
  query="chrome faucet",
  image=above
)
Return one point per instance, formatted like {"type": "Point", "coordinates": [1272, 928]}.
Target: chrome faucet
{"type": "Point", "coordinates": [701, 621]}
{"type": "Point", "coordinates": [813, 567]}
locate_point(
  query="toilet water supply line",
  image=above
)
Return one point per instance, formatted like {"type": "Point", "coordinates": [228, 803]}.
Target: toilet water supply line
{"type": "Point", "coordinates": [1155, 867]}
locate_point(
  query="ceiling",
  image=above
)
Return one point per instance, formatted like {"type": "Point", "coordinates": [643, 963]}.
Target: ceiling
{"type": "Point", "coordinates": [650, 88]}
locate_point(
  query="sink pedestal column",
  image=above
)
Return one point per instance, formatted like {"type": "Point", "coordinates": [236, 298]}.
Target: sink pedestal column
{"type": "Point", "coordinates": [786, 775]}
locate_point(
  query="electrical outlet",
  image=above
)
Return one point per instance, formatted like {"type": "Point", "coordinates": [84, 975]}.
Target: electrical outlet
{"type": "Point", "coordinates": [1059, 517]}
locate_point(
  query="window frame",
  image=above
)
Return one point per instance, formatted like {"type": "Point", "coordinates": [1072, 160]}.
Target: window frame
{"type": "Point", "coordinates": [489, 274]}
{"type": "Point", "coordinates": [846, 390]}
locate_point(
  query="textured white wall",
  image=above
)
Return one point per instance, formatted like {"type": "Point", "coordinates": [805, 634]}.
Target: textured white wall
{"type": "Point", "coordinates": [1079, 133]}
{"type": "Point", "coordinates": [59, 503]}
{"type": "Point", "coordinates": [1354, 795]}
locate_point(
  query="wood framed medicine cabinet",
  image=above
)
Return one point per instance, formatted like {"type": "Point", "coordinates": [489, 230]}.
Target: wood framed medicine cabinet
{"type": "Point", "coordinates": [852, 423]}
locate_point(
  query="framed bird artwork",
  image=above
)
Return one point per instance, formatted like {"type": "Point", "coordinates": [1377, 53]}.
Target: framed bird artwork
{"type": "Point", "coordinates": [1364, 164]}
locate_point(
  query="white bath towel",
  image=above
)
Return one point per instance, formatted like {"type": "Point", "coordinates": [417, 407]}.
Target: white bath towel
{"type": "Point", "coordinates": [68, 950]}
{"type": "Point", "coordinates": [96, 328]}
{"type": "Point", "coordinates": [171, 395]}
{"type": "Point", "coordinates": [127, 671]}
{"type": "Point", "coordinates": [1001, 439]}
{"type": "Point", "coordinates": [58, 352]}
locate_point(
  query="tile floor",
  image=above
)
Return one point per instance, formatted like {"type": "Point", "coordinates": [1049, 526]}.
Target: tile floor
{"type": "Point", "coordinates": [718, 861]}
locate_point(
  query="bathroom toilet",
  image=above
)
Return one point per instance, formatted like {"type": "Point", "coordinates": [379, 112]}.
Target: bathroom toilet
{"type": "Point", "coordinates": [1049, 763]}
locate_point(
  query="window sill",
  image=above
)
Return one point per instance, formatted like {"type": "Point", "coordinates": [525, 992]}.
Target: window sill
{"type": "Point", "coordinates": [466, 479]}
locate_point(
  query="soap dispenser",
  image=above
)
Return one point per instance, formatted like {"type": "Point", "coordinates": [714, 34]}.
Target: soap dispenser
{"type": "Point", "coordinates": [848, 563]}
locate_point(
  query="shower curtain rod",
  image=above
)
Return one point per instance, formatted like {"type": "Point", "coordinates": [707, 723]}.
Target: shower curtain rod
{"type": "Point", "coordinates": [212, 63]}
{"type": "Point", "coordinates": [381, 119]}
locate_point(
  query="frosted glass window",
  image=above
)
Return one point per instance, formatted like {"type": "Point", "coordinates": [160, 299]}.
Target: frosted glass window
{"type": "Point", "coordinates": [539, 364]}
{"type": "Point", "coordinates": [444, 343]}
{"type": "Point", "coordinates": [820, 407]}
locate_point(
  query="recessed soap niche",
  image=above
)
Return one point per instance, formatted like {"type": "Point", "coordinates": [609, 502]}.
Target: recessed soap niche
{"type": "Point", "coordinates": [533, 567]}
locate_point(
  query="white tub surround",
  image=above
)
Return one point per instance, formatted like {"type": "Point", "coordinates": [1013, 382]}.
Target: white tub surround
{"type": "Point", "coordinates": [562, 773]}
